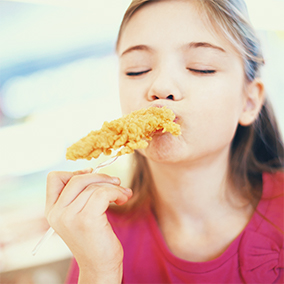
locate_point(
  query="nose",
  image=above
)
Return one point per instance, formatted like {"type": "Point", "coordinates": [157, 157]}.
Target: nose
{"type": "Point", "coordinates": [165, 86]}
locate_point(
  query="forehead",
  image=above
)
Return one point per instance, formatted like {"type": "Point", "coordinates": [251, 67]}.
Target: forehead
{"type": "Point", "coordinates": [167, 23]}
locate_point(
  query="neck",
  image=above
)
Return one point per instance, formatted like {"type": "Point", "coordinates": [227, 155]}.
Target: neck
{"type": "Point", "coordinates": [192, 190]}
{"type": "Point", "coordinates": [195, 209]}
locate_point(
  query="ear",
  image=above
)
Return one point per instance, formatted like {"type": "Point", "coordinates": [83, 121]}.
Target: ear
{"type": "Point", "coordinates": [253, 101]}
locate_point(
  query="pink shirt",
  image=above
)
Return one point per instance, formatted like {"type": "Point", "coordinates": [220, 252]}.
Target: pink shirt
{"type": "Point", "coordinates": [255, 256]}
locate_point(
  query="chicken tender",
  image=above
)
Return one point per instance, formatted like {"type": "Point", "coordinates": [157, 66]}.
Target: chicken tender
{"type": "Point", "coordinates": [130, 131]}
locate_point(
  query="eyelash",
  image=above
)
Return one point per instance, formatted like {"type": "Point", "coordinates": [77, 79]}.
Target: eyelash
{"type": "Point", "coordinates": [206, 72]}
{"type": "Point", "coordinates": [137, 73]}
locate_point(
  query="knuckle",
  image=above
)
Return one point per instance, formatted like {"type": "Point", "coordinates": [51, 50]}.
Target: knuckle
{"type": "Point", "coordinates": [101, 192]}
{"type": "Point", "coordinates": [92, 187]}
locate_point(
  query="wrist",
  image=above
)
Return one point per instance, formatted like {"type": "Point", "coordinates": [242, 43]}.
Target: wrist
{"type": "Point", "coordinates": [100, 277]}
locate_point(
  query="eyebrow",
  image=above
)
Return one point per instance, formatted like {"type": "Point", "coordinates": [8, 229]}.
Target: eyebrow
{"type": "Point", "coordinates": [143, 47]}
{"type": "Point", "coordinates": [206, 45]}
{"type": "Point", "coordinates": [136, 47]}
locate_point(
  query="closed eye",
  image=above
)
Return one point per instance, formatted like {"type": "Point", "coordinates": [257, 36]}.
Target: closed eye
{"type": "Point", "coordinates": [137, 73]}
{"type": "Point", "coordinates": [202, 71]}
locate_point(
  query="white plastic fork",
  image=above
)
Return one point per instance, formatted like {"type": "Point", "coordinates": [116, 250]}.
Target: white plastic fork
{"type": "Point", "coordinates": [50, 231]}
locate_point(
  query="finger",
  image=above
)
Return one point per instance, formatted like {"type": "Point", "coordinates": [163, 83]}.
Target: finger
{"type": "Point", "coordinates": [84, 171]}
{"type": "Point", "coordinates": [79, 182]}
{"type": "Point", "coordinates": [82, 199]}
{"type": "Point", "coordinates": [99, 200]}
{"type": "Point", "coordinates": [57, 180]}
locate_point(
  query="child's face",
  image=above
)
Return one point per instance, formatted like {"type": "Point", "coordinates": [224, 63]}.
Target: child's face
{"type": "Point", "coordinates": [169, 56]}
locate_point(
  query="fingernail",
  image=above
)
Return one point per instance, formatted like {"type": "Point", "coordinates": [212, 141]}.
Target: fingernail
{"type": "Point", "coordinates": [87, 170]}
{"type": "Point", "coordinates": [116, 179]}
{"type": "Point", "coordinates": [84, 171]}
{"type": "Point", "coordinates": [128, 190]}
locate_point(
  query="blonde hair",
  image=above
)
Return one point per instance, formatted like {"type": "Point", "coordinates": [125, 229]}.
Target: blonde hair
{"type": "Point", "coordinates": [256, 148]}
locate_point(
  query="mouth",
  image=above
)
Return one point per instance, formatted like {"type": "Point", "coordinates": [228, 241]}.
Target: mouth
{"type": "Point", "coordinates": [160, 131]}
{"type": "Point", "coordinates": [176, 120]}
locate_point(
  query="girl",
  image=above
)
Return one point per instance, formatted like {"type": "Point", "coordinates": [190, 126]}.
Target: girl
{"type": "Point", "coordinates": [204, 207]}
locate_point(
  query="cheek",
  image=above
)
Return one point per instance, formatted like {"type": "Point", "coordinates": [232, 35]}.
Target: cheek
{"type": "Point", "coordinates": [217, 110]}
{"type": "Point", "coordinates": [222, 98]}
{"type": "Point", "coordinates": [126, 96]}
{"type": "Point", "coordinates": [132, 96]}
{"type": "Point", "coordinates": [123, 104]}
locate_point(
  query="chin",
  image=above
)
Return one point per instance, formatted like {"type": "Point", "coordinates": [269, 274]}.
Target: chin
{"type": "Point", "coordinates": [163, 149]}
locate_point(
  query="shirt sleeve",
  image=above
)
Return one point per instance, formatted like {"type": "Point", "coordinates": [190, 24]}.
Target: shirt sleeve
{"type": "Point", "coordinates": [73, 273]}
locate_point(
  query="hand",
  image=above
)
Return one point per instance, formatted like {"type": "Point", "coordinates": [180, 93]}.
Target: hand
{"type": "Point", "coordinates": [76, 203]}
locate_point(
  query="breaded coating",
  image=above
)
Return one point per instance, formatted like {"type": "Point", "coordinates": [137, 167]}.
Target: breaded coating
{"type": "Point", "coordinates": [130, 131]}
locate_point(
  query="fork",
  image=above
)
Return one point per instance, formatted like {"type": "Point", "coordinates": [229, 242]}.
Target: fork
{"type": "Point", "coordinates": [50, 231]}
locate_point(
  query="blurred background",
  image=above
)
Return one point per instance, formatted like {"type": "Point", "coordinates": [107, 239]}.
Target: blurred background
{"type": "Point", "coordinates": [58, 81]}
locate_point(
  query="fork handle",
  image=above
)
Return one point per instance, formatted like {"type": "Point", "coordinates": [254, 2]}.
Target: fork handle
{"type": "Point", "coordinates": [46, 236]}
